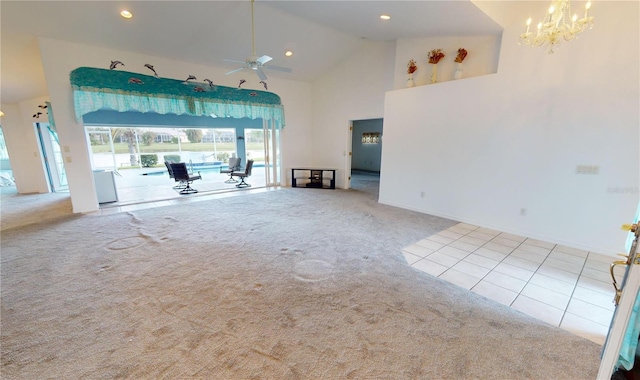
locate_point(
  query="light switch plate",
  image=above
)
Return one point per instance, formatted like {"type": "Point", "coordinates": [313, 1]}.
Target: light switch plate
{"type": "Point", "coordinates": [587, 169]}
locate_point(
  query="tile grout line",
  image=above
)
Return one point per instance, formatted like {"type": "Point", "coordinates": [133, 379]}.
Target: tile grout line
{"type": "Point", "coordinates": [564, 313]}
{"type": "Point", "coordinates": [529, 280]}
{"type": "Point", "coordinates": [519, 293]}
{"type": "Point", "coordinates": [490, 270]}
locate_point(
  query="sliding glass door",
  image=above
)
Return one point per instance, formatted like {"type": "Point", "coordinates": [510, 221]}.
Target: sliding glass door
{"type": "Point", "coordinates": [137, 155]}
{"type": "Point", "coordinates": [272, 154]}
{"type": "Point", "coordinates": [52, 157]}
{"type": "Point", "coordinates": [6, 173]}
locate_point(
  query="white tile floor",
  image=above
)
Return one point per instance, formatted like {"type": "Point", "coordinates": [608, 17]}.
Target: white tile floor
{"type": "Point", "coordinates": [562, 286]}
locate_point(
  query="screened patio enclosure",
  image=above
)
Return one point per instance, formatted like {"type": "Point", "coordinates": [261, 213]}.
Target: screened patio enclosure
{"type": "Point", "coordinates": [137, 154]}
{"type": "Point", "coordinates": [133, 122]}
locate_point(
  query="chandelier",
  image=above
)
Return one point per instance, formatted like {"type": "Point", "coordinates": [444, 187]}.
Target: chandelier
{"type": "Point", "coordinates": [557, 25]}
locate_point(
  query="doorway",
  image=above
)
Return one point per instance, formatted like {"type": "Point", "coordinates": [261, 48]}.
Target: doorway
{"type": "Point", "coordinates": [6, 173]}
{"type": "Point", "coordinates": [263, 147]}
{"type": "Point", "coordinates": [366, 154]}
{"type": "Point", "coordinates": [52, 157]}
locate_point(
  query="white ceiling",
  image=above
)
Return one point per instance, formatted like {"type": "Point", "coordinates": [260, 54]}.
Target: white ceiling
{"type": "Point", "coordinates": [320, 32]}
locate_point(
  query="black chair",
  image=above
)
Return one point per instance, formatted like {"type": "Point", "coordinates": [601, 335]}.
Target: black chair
{"type": "Point", "coordinates": [180, 173]}
{"type": "Point", "coordinates": [242, 175]}
{"type": "Point", "coordinates": [181, 184]}
{"type": "Point", "coordinates": [234, 166]}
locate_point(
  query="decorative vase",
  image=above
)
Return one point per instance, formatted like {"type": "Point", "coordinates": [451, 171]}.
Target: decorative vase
{"type": "Point", "coordinates": [410, 82]}
{"type": "Point", "coordinates": [459, 71]}
{"type": "Point", "coordinates": [434, 73]}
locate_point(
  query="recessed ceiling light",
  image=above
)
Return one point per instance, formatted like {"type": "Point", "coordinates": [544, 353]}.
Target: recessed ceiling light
{"type": "Point", "coordinates": [385, 17]}
{"type": "Point", "coordinates": [288, 53]}
{"type": "Point", "coordinates": [126, 14]}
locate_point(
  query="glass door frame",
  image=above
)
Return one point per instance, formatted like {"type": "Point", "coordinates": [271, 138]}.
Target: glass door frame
{"type": "Point", "coordinates": [272, 153]}
{"type": "Point", "coordinates": [51, 155]}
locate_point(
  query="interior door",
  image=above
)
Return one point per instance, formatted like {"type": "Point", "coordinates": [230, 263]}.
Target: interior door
{"type": "Point", "coordinates": [349, 156]}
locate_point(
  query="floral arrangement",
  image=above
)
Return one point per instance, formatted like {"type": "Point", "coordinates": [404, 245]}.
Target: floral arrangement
{"type": "Point", "coordinates": [411, 67]}
{"type": "Point", "coordinates": [462, 54]}
{"type": "Point", "coordinates": [435, 56]}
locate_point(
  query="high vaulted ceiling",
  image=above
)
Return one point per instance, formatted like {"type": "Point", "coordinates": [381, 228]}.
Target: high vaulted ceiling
{"type": "Point", "coordinates": [321, 33]}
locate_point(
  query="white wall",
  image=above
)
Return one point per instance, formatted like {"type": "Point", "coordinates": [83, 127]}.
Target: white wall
{"type": "Point", "coordinates": [353, 90]}
{"type": "Point", "coordinates": [60, 58]}
{"type": "Point", "coordinates": [484, 148]}
{"type": "Point", "coordinates": [482, 58]}
{"type": "Point", "coordinates": [23, 145]}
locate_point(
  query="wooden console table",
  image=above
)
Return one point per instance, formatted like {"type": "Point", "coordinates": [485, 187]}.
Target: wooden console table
{"type": "Point", "coordinates": [315, 176]}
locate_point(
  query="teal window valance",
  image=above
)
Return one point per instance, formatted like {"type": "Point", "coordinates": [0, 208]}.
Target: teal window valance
{"type": "Point", "coordinates": [95, 89]}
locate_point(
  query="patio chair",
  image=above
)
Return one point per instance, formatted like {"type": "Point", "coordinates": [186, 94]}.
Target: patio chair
{"type": "Point", "coordinates": [234, 166]}
{"type": "Point", "coordinates": [180, 173]}
{"type": "Point", "coordinates": [181, 184]}
{"type": "Point", "coordinates": [242, 175]}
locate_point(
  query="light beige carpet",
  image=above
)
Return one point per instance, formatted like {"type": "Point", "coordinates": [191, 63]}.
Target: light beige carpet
{"type": "Point", "coordinates": [289, 284]}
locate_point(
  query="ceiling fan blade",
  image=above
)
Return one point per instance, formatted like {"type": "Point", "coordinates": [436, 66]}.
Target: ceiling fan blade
{"type": "Point", "coordinates": [261, 74]}
{"type": "Point", "coordinates": [277, 68]}
{"type": "Point", "coordinates": [234, 71]}
{"type": "Point", "coordinates": [233, 61]}
{"type": "Point", "coordinates": [264, 59]}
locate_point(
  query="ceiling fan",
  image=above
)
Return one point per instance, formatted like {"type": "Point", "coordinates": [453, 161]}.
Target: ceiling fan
{"type": "Point", "coordinates": [254, 62]}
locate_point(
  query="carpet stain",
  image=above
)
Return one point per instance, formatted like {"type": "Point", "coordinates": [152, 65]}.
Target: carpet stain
{"type": "Point", "coordinates": [313, 270]}
{"type": "Point", "coordinates": [134, 217]}
{"type": "Point", "coordinates": [161, 331]}
{"type": "Point", "coordinates": [287, 320]}
{"type": "Point", "coordinates": [126, 243]}
{"type": "Point", "coordinates": [496, 325]}
{"type": "Point", "coordinates": [152, 231]}
{"type": "Point", "coordinates": [264, 354]}
{"type": "Point", "coordinates": [290, 251]}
